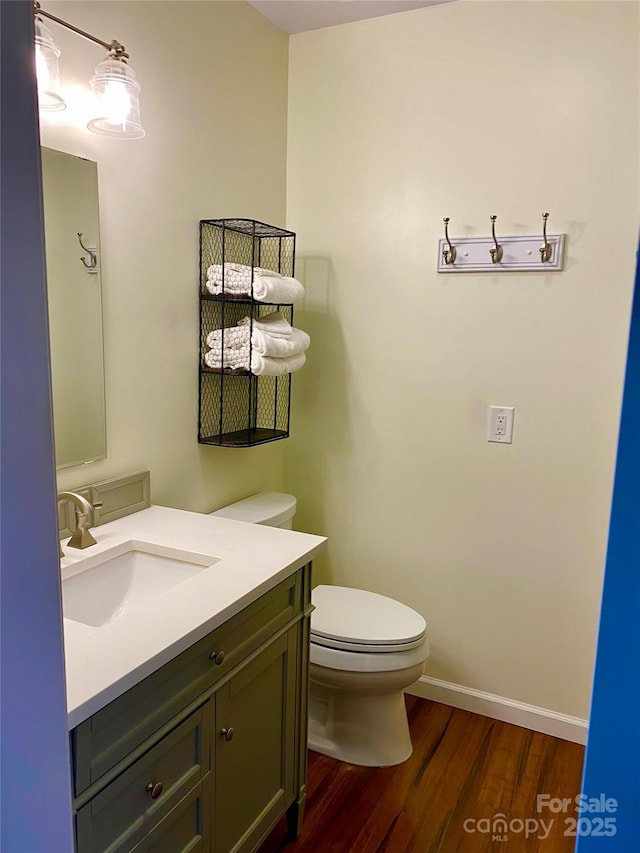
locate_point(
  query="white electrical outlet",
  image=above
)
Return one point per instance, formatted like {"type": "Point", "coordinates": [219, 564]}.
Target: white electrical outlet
{"type": "Point", "coordinates": [501, 424]}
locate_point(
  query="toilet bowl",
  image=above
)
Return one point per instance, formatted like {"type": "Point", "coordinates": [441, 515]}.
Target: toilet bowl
{"type": "Point", "coordinates": [365, 650]}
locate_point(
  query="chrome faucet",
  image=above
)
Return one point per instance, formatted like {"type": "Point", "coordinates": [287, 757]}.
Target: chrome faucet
{"type": "Point", "coordinates": [81, 537]}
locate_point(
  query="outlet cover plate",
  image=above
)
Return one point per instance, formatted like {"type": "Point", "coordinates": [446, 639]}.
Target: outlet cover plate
{"type": "Point", "coordinates": [500, 427]}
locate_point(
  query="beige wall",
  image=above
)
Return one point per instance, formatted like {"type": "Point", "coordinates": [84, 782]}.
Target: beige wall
{"type": "Point", "coordinates": [466, 110]}
{"type": "Point", "coordinates": [460, 110]}
{"type": "Point", "coordinates": [214, 78]}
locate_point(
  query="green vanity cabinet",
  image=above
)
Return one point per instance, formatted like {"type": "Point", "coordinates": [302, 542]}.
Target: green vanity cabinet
{"type": "Point", "coordinates": [208, 752]}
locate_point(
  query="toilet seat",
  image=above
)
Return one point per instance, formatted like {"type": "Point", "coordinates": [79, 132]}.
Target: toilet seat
{"type": "Point", "coordinates": [357, 661]}
{"type": "Point", "coordinates": [355, 620]}
{"type": "Point", "coordinates": [368, 648]}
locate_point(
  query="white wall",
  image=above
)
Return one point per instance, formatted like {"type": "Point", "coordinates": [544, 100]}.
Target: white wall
{"type": "Point", "coordinates": [214, 89]}
{"type": "Point", "coordinates": [466, 110]}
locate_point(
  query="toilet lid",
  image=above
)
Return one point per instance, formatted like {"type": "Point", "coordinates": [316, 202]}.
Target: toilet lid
{"type": "Point", "coordinates": [364, 618]}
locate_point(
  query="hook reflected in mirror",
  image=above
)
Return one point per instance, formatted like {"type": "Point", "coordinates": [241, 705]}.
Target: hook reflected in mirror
{"type": "Point", "coordinates": [90, 258]}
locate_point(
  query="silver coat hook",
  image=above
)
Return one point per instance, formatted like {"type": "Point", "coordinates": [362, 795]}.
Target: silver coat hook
{"type": "Point", "coordinates": [93, 257]}
{"type": "Point", "coordinates": [496, 250]}
{"type": "Point", "coordinates": [449, 254]}
{"type": "Point", "coordinates": [545, 251]}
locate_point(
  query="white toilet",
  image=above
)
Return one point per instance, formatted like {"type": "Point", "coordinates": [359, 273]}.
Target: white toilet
{"type": "Point", "coordinates": [365, 650]}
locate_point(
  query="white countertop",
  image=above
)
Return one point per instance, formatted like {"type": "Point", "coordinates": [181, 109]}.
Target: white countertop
{"type": "Point", "coordinates": [102, 663]}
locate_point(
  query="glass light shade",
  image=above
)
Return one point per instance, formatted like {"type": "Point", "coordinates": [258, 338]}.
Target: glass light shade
{"type": "Point", "coordinates": [118, 104]}
{"type": "Point", "coordinates": [47, 70]}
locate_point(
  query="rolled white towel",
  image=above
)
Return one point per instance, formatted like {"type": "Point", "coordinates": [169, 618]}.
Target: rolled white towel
{"type": "Point", "coordinates": [237, 279]}
{"type": "Point", "coordinates": [262, 365]}
{"type": "Point", "coordinates": [265, 344]}
{"type": "Point", "coordinates": [236, 359]}
{"type": "Point", "coordinates": [275, 324]}
{"type": "Point", "coordinates": [230, 352]}
{"type": "Point", "coordinates": [217, 290]}
{"type": "Point", "coordinates": [232, 336]}
{"type": "Point", "coordinates": [268, 288]}
{"type": "Point", "coordinates": [262, 342]}
{"type": "Point", "coordinates": [237, 276]}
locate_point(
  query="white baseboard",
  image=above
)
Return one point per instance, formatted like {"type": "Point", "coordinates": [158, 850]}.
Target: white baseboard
{"type": "Point", "coordinates": [501, 708]}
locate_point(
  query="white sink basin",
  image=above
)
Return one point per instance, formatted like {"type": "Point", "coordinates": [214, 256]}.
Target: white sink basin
{"type": "Point", "coordinates": [108, 585]}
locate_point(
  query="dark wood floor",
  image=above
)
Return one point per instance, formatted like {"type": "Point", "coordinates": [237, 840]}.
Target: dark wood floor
{"type": "Point", "coordinates": [464, 768]}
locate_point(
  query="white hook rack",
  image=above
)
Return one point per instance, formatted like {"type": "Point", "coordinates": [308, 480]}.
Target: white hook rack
{"type": "Point", "coordinates": [517, 253]}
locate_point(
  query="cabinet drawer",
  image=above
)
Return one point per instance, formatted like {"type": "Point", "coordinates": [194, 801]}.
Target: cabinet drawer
{"type": "Point", "coordinates": [107, 737]}
{"type": "Point", "coordinates": [125, 811]}
{"type": "Point", "coordinates": [186, 828]}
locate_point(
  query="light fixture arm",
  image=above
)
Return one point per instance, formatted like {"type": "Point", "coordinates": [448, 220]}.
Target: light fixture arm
{"type": "Point", "coordinates": [115, 49]}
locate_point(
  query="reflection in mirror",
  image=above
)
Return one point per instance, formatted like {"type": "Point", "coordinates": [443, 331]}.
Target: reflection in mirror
{"type": "Point", "coordinates": [70, 190]}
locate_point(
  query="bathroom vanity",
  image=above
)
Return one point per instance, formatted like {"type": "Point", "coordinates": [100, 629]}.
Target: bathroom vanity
{"type": "Point", "coordinates": [187, 730]}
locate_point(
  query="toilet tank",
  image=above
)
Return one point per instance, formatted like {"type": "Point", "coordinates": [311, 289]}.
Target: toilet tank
{"type": "Point", "coordinates": [274, 509]}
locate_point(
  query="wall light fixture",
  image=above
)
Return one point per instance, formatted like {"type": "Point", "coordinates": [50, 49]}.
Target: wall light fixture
{"type": "Point", "coordinates": [114, 83]}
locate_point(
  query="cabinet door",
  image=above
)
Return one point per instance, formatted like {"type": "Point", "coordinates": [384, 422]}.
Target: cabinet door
{"type": "Point", "coordinates": [255, 747]}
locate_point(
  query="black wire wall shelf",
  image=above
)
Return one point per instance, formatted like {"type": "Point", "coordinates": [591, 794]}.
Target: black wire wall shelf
{"type": "Point", "coordinates": [234, 297]}
{"type": "Point", "coordinates": [238, 408]}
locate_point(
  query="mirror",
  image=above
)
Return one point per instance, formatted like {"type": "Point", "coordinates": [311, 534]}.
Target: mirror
{"type": "Point", "coordinates": [70, 191]}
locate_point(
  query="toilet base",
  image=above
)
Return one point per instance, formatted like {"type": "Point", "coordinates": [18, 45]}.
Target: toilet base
{"type": "Point", "coordinates": [365, 728]}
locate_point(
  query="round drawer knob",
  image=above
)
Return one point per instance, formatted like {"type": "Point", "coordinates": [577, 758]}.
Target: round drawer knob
{"type": "Point", "coordinates": [217, 657]}
{"type": "Point", "coordinates": [227, 734]}
{"type": "Point", "coordinates": [154, 789]}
